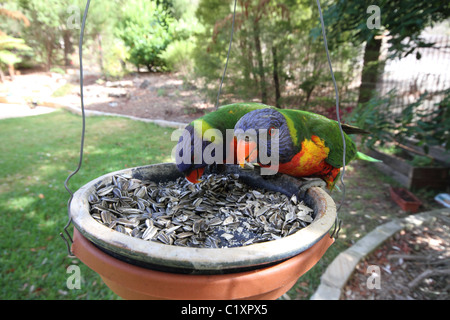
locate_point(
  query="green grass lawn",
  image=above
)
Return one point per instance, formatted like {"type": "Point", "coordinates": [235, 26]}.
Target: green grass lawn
{"type": "Point", "coordinates": [38, 153]}
{"type": "Point", "coordinates": [36, 156]}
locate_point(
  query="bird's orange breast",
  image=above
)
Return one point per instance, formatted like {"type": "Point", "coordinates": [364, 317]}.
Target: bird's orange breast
{"type": "Point", "coordinates": [309, 161]}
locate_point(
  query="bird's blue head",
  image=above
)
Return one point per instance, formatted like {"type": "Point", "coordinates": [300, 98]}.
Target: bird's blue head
{"type": "Point", "coordinates": [257, 130]}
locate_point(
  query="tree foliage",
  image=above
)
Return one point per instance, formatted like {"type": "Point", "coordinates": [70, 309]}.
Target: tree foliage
{"type": "Point", "coordinates": [7, 45]}
{"type": "Point", "coordinates": [10, 47]}
{"type": "Point", "coordinates": [275, 58]}
{"type": "Point", "coordinates": [401, 20]}
{"type": "Point", "coordinates": [428, 128]}
{"type": "Point", "coordinates": [47, 22]}
{"type": "Point", "coordinates": [146, 29]}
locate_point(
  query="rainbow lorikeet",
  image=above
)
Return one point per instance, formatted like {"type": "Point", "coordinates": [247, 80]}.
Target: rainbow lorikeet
{"type": "Point", "coordinates": [310, 145]}
{"type": "Point", "coordinates": [195, 139]}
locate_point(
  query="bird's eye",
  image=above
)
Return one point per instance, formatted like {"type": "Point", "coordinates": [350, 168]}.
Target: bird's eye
{"type": "Point", "coordinates": [272, 130]}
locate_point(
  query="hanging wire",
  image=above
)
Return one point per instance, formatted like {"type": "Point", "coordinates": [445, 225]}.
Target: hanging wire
{"type": "Point", "coordinates": [338, 221]}
{"type": "Point", "coordinates": [80, 51]}
{"type": "Point", "coordinates": [228, 55]}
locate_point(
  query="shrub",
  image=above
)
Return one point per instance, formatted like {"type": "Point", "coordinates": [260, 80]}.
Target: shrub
{"type": "Point", "coordinates": [178, 56]}
{"type": "Point", "coordinates": [146, 30]}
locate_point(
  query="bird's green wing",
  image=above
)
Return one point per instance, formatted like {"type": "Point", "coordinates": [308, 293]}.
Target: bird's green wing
{"type": "Point", "coordinates": [226, 117]}
{"type": "Point", "coordinates": [303, 125]}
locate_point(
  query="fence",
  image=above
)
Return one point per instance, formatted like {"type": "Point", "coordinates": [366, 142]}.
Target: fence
{"type": "Point", "coordinates": [411, 77]}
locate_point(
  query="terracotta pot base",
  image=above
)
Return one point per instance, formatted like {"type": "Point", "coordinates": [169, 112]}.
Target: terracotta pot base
{"type": "Point", "coordinates": [129, 294]}
{"type": "Point", "coordinates": [131, 282]}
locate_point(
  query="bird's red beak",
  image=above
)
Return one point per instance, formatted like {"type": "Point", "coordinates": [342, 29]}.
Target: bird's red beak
{"type": "Point", "coordinates": [247, 151]}
{"type": "Point", "coordinates": [195, 175]}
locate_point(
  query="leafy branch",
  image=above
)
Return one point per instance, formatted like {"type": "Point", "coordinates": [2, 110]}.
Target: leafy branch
{"type": "Point", "coordinates": [428, 128]}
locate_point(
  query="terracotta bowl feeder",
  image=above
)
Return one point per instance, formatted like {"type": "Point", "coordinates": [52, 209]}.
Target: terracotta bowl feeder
{"type": "Point", "coordinates": [138, 269]}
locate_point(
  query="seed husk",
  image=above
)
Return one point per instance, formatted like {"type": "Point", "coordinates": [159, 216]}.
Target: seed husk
{"type": "Point", "coordinates": [149, 233]}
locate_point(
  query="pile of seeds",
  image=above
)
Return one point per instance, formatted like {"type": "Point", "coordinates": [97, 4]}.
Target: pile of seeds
{"type": "Point", "coordinates": [219, 212]}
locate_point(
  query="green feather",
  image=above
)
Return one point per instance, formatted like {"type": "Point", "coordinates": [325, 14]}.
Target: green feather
{"type": "Point", "coordinates": [304, 124]}
{"type": "Point", "coordinates": [225, 117]}
{"type": "Point", "coordinates": [362, 156]}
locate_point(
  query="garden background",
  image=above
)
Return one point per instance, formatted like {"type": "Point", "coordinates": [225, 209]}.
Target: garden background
{"type": "Point", "coordinates": [163, 60]}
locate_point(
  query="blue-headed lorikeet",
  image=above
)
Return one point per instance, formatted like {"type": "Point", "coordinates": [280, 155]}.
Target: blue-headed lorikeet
{"type": "Point", "coordinates": [193, 137]}
{"type": "Point", "coordinates": [310, 145]}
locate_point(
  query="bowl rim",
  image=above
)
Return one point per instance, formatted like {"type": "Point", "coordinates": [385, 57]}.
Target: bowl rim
{"type": "Point", "coordinates": [189, 258]}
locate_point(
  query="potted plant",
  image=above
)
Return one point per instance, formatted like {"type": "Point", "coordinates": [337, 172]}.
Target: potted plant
{"type": "Point", "coordinates": [138, 269]}
{"type": "Point", "coordinates": [412, 144]}
{"type": "Point", "coordinates": [405, 199]}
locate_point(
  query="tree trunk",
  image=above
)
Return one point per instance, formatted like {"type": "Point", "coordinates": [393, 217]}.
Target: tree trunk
{"type": "Point", "coordinates": [100, 53]}
{"type": "Point", "coordinates": [252, 68]}
{"type": "Point", "coordinates": [48, 65]}
{"type": "Point", "coordinates": [11, 71]}
{"type": "Point", "coordinates": [276, 80]}
{"type": "Point", "coordinates": [68, 47]}
{"type": "Point", "coordinates": [260, 62]}
{"type": "Point", "coordinates": [49, 54]}
{"type": "Point", "coordinates": [370, 71]}
{"type": "Point", "coordinates": [246, 65]}
{"type": "Point", "coordinates": [308, 94]}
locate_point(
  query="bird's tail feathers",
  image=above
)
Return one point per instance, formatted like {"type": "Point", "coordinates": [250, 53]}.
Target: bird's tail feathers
{"type": "Point", "coordinates": [365, 157]}
{"type": "Point", "coordinates": [349, 129]}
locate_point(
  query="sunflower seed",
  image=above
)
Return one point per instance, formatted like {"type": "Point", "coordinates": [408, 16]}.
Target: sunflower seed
{"type": "Point", "coordinates": [228, 220]}
{"type": "Point", "coordinates": [197, 202]}
{"type": "Point", "coordinates": [171, 230]}
{"type": "Point", "coordinates": [93, 198]}
{"type": "Point", "coordinates": [106, 217]}
{"type": "Point", "coordinates": [149, 233]}
{"type": "Point", "coordinates": [128, 223]}
{"type": "Point", "coordinates": [135, 232]}
{"type": "Point", "coordinates": [227, 236]}
{"type": "Point", "coordinates": [163, 238]}
{"type": "Point", "coordinates": [120, 228]}
{"type": "Point", "coordinates": [215, 221]}
{"type": "Point", "coordinates": [104, 191]}
{"type": "Point", "coordinates": [197, 225]}
{"type": "Point", "coordinates": [183, 235]}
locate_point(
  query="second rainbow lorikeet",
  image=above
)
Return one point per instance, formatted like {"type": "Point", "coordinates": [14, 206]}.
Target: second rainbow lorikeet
{"type": "Point", "coordinates": [310, 145]}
